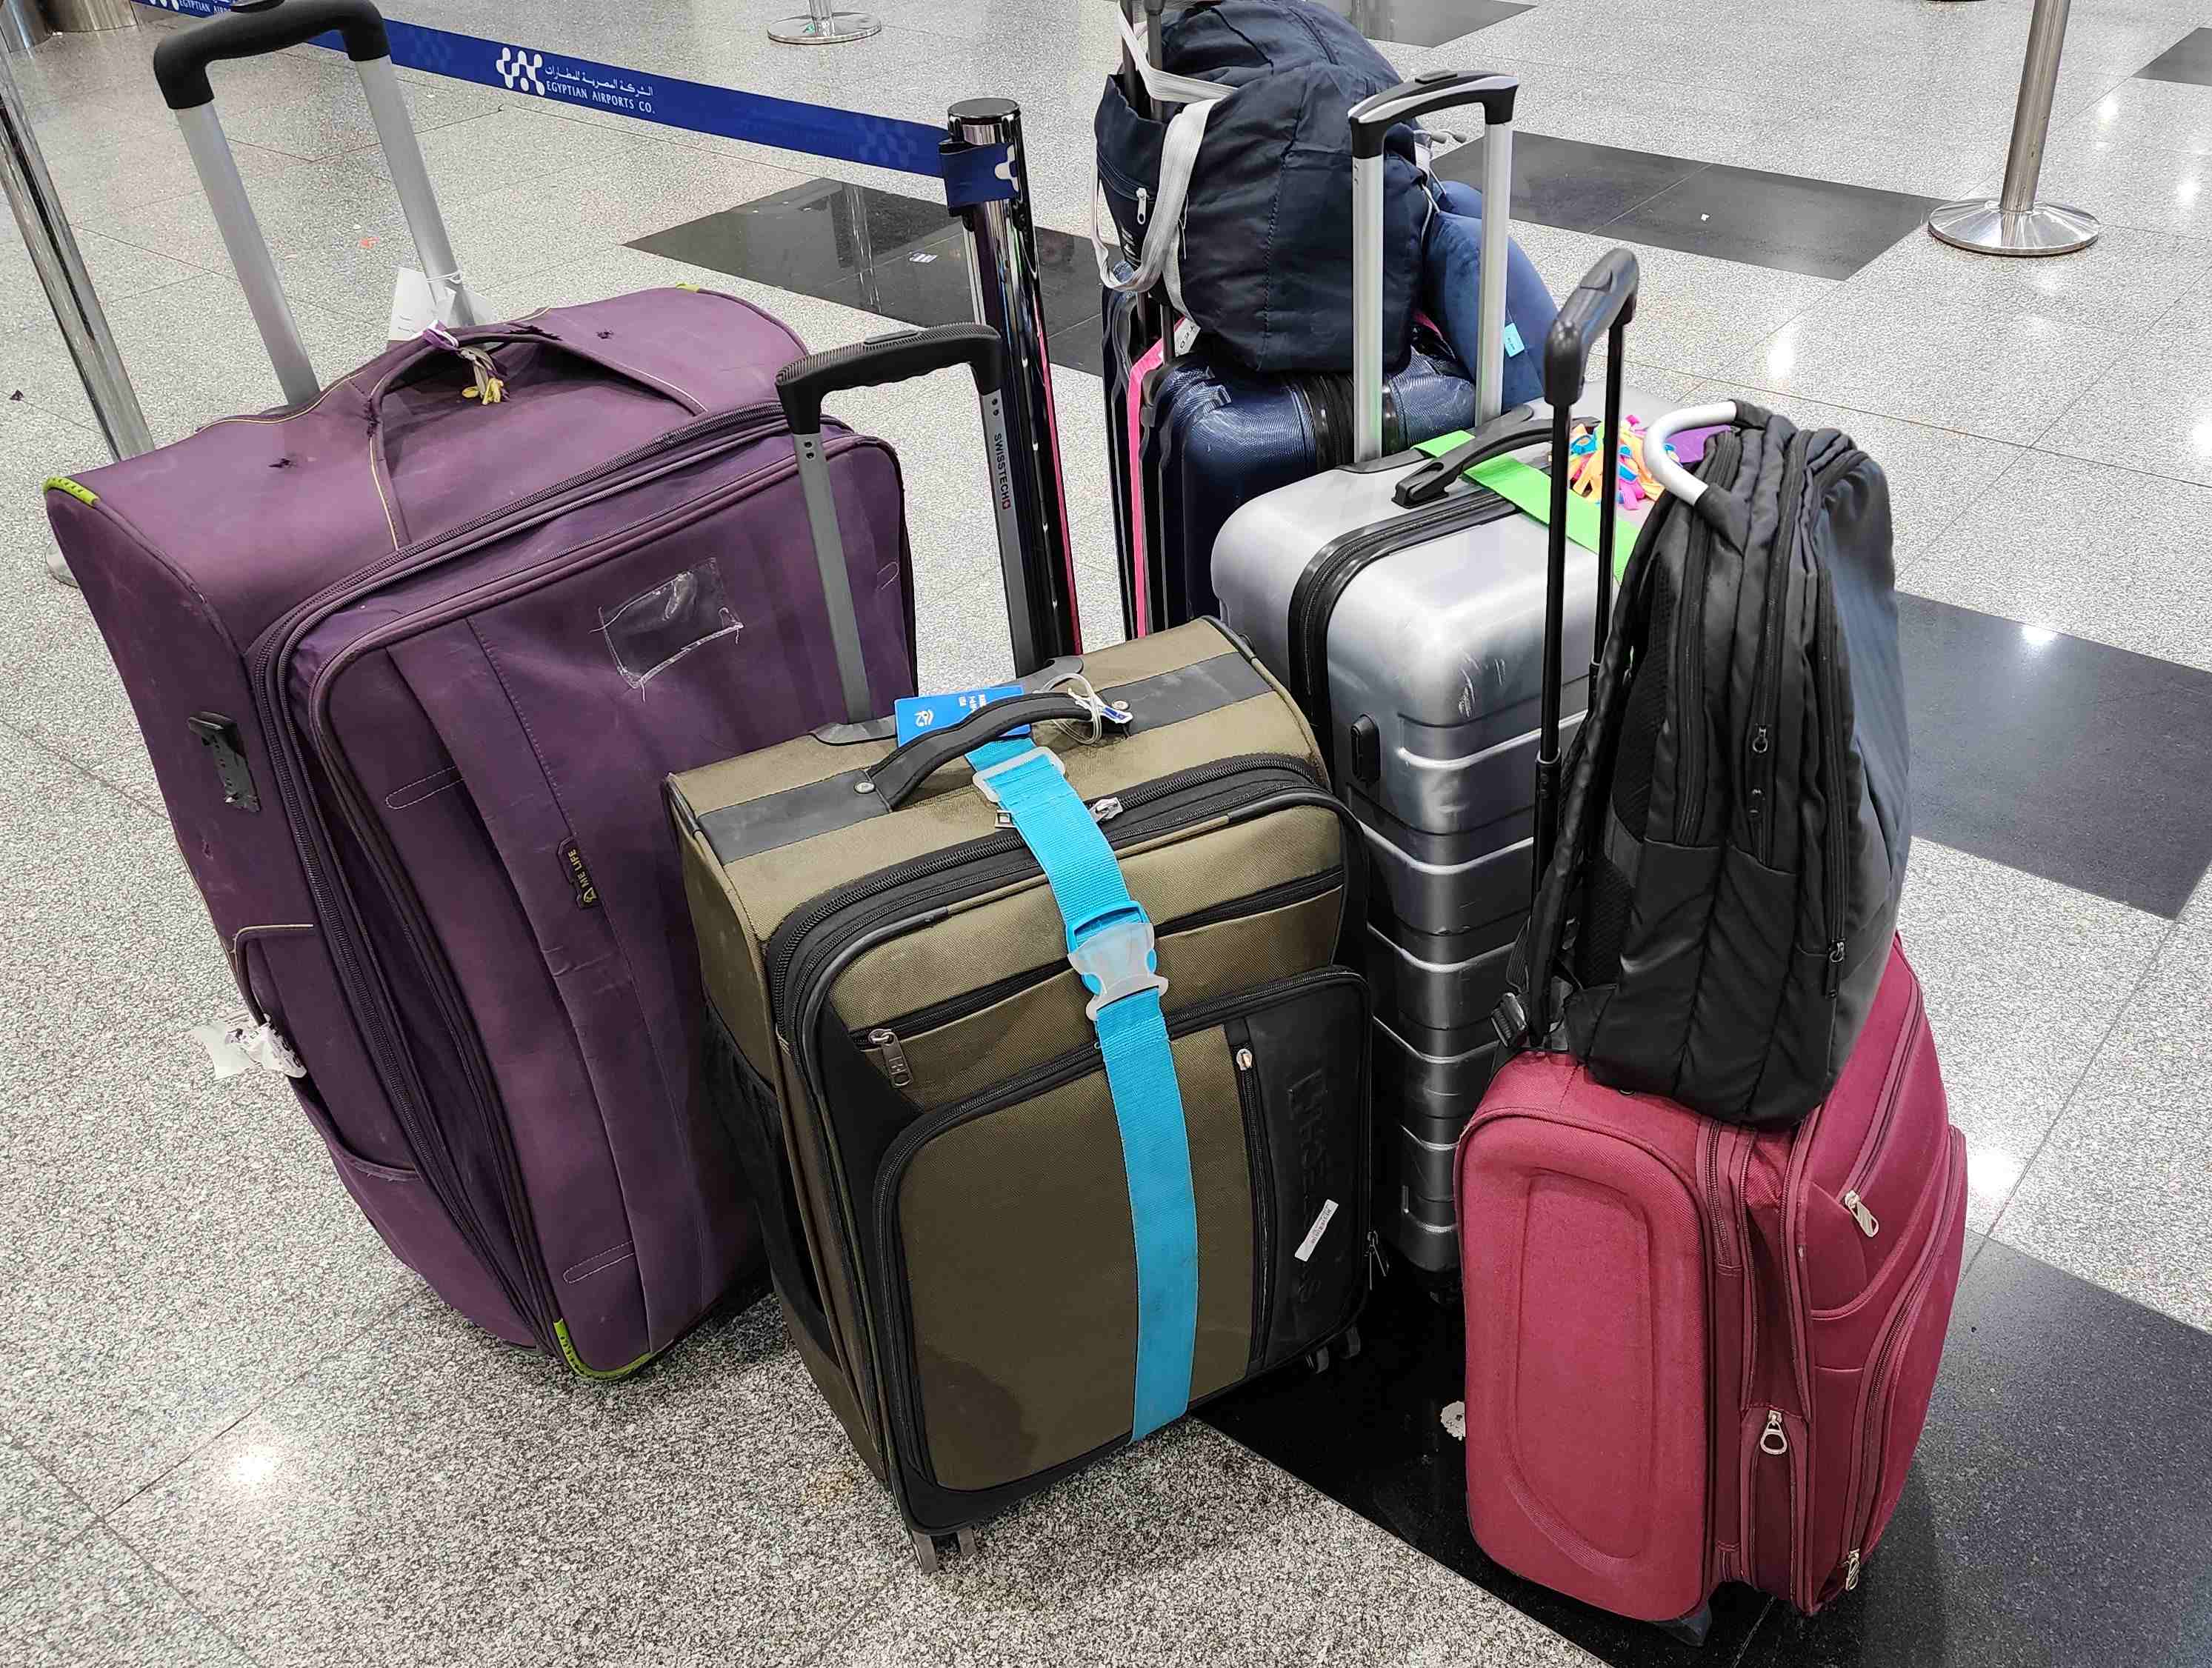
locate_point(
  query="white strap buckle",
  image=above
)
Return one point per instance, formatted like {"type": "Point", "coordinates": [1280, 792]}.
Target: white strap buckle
{"type": "Point", "coordinates": [1120, 957]}
{"type": "Point", "coordinates": [983, 776]}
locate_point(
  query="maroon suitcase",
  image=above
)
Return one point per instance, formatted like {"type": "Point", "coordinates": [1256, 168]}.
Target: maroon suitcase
{"type": "Point", "coordinates": [411, 666]}
{"type": "Point", "coordinates": [1696, 1352]}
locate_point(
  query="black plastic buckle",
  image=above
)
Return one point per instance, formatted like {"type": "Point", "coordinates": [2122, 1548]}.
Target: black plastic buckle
{"type": "Point", "coordinates": [219, 735]}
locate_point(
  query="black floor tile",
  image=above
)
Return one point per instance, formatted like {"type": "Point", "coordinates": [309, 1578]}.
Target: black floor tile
{"type": "Point", "coordinates": [2057, 1516]}
{"type": "Point", "coordinates": [902, 257]}
{"type": "Point", "coordinates": [2189, 59]}
{"type": "Point", "coordinates": [1575, 186]}
{"type": "Point", "coordinates": [2084, 764]}
{"type": "Point", "coordinates": [1422, 22]}
{"type": "Point", "coordinates": [1775, 219]}
{"type": "Point", "coordinates": [1369, 1433]}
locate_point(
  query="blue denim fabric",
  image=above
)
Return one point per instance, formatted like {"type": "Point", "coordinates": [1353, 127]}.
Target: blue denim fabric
{"type": "Point", "coordinates": [1451, 282]}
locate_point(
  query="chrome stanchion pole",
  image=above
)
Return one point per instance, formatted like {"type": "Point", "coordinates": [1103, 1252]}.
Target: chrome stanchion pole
{"type": "Point", "coordinates": [820, 25]}
{"type": "Point", "coordinates": [1002, 281]}
{"type": "Point", "coordinates": [61, 269]}
{"type": "Point", "coordinates": [2014, 223]}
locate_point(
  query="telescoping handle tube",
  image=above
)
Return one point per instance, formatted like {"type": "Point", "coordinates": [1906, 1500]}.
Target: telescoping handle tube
{"type": "Point", "coordinates": [803, 384]}
{"type": "Point", "coordinates": [253, 28]}
{"type": "Point", "coordinates": [1372, 119]}
{"type": "Point", "coordinates": [1604, 301]}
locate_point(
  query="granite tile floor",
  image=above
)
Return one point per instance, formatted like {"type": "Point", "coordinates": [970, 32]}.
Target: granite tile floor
{"type": "Point", "coordinates": [232, 1431]}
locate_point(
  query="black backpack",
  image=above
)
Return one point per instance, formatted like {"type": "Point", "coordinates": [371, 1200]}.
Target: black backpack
{"type": "Point", "coordinates": [1719, 907]}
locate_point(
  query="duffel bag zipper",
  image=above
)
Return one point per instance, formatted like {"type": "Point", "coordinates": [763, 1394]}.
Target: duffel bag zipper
{"type": "Point", "coordinates": [901, 1378]}
{"type": "Point", "coordinates": [269, 663]}
{"type": "Point", "coordinates": [939, 1014]}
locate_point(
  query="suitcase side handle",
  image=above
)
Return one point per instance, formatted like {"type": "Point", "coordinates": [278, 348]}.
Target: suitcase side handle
{"type": "Point", "coordinates": [254, 29]}
{"type": "Point", "coordinates": [896, 357]}
{"type": "Point", "coordinates": [909, 766]}
{"type": "Point", "coordinates": [180, 64]}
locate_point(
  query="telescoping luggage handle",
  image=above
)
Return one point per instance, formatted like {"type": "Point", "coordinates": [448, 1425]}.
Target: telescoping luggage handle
{"type": "Point", "coordinates": [1605, 301]}
{"type": "Point", "coordinates": [1372, 119]}
{"type": "Point", "coordinates": [253, 28]}
{"type": "Point", "coordinates": [897, 357]}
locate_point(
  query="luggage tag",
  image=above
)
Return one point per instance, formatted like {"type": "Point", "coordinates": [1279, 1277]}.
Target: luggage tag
{"type": "Point", "coordinates": [415, 307]}
{"type": "Point", "coordinates": [919, 714]}
{"type": "Point", "coordinates": [241, 1046]}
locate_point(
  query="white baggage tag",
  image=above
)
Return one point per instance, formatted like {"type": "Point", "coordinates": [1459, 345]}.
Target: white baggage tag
{"type": "Point", "coordinates": [1313, 1234]}
{"type": "Point", "coordinates": [415, 307]}
{"type": "Point", "coordinates": [238, 1046]}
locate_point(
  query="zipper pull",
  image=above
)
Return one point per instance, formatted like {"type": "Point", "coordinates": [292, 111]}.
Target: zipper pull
{"type": "Point", "coordinates": [1144, 205]}
{"type": "Point", "coordinates": [1851, 1570]}
{"type": "Point", "coordinates": [1106, 810]}
{"type": "Point", "coordinates": [1758, 742]}
{"type": "Point", "coordinates": [1774, 1439]}
{"type": "Point", "coordinates": [887, 1042]}
{"type": "Point", "coordinates": [1835, 967]}
{"type": "Point", "coordinates": [1858, 1207]}
{"type": "Point", "coordinates": [1378, 1266]}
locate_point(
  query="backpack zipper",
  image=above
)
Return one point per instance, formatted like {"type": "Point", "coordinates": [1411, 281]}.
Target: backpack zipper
{"type": "Point", "coordinates": [1690, 650]}
{"type": "Point", "coordinates": [1767, 677]}
{"type": "Point", "coordinates": [1839, 821]}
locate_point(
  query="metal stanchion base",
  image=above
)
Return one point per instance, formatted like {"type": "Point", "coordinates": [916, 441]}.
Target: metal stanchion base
{"type": "Point", "coordinates": [831, 29]}
{"type": "Point", "coordinates": [2044, 229]}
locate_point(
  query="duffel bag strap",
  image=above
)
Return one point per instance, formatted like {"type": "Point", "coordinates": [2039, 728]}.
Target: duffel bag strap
{"type": "Point", "coordinates": [1161, 258]}
{"type": "Point", "coordinates": [1110, 946]}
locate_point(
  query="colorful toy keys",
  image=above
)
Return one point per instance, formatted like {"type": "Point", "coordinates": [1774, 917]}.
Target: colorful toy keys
{"type": "Point", "coordinates": [1636, 484]}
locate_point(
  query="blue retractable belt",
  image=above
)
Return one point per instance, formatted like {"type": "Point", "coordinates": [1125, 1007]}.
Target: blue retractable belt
{"type": "Point", "coordinates": [1109, 943]}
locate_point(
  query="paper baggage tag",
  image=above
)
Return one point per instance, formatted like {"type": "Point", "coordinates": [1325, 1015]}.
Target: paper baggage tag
{"type": "Point", "coordinates": [919, 714]}
{"type": "Point", "coordinates": [1313, 1234]}
{"type": "Point", "coordinates": [1514, 344]}
{"type": "Point", "coordinates": [241, 1046]}
{"type": "Point", "coordinates": [415, 309]}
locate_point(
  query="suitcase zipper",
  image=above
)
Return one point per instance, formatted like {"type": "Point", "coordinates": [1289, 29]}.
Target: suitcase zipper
{"type": "Point", "coordinates": [1865, 1485]}
{"type": "Point", "coordinates": [1315, 596]}
{"type": "Point", "coordinates": [1261, 1160]}
{"type": "Point", "coordinates": [938, 1014]}
{"type": "Point", "coordinates": [1908, 1043]}
{"type": "Point", "coordinates": [269, 660]}
{"type": "Point", "coordinates": [900, 1380]}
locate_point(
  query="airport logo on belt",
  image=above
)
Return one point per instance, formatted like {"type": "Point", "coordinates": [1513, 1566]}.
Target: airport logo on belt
{"type": "Point", "coordinates": [519, 69]}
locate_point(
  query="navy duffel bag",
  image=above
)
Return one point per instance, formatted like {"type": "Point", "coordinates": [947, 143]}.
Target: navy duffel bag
{"type": "Point", "coordinates": [1252, 166]}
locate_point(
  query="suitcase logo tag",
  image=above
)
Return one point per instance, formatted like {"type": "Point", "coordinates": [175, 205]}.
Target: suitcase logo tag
{"type": "Point", "coordinates": [580, 877]}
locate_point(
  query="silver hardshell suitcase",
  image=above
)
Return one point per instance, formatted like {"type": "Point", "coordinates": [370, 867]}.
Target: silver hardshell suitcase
{"type": "Point", "coordinates": [1404, 608]}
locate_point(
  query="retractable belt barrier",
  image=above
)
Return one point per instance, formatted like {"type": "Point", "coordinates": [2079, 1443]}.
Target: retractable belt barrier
{"type": "Point", "coordinates": [972, 174]}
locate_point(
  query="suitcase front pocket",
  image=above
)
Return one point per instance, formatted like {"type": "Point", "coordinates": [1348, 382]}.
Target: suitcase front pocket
{"type": "Point", "coordinates": [1004, 1225]}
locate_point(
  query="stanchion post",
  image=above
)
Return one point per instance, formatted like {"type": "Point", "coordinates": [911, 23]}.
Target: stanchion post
{"type": "Point", "coordinates": [1002, 281]}
{"type": "Point", "coordinates": [2014, 222]}
{"type": "Point", "coordinates": [822, 26]}
{"type": "Point", "coordinates": [61, 269]}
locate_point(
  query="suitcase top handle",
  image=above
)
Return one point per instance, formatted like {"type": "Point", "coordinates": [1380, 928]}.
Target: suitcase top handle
{"type": "Point", "coordinates": [898, 356]}
{"type": "Point", "coordinates": [906, 767]}
{"type": "Point", "coordinates": [254, 28]}
{"type": "Point", "coordinates": [1432, 90]}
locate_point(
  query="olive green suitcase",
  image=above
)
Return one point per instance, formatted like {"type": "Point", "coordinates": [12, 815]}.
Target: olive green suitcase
{"type": "Point", "coordinates": [958, 1211]}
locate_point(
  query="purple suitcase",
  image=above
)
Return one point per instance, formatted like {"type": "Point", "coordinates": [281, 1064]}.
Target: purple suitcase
{"type": "Point", "coordinates": [411, 666]}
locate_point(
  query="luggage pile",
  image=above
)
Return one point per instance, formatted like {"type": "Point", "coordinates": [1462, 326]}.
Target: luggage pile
{"type": "Point", "coordinates": [1065, 1052]}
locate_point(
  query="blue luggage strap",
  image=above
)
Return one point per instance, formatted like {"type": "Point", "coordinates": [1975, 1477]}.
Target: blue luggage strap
{"type": "Point", "coordinates": [1110, 945]}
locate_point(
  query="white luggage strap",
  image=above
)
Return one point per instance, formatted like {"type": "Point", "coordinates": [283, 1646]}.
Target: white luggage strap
{"type": "Point", "coordinates": [1161, 258]}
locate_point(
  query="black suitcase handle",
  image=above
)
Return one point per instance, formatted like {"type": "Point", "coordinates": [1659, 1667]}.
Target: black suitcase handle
{"type": "Point", "coordinates": [900, 356]}
{"type": "Point", "coordinates": [908, 766]}
{"type": "Point", "coordinates": [254, 28]}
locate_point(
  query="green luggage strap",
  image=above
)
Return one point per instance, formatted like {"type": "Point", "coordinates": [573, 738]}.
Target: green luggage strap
{"type": "Point", "coordinates": [1529, 490]}
{"type": "Point", "coordinates": [1110, 945]}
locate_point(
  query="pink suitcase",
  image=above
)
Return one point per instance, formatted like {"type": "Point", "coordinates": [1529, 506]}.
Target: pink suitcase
{"type": "Point", "coordinates": [1697, 1353]}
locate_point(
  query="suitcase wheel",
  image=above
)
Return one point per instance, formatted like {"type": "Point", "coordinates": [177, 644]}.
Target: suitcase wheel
{"type": "Point", "coordinates": [925, 1552]}
{"type": "Point", "coordinates": [970, 1542]}
{"type": "Point", "coordinates": [1349, 1345]}
{"type": "Point", "coordinates": [1318, 1361]}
